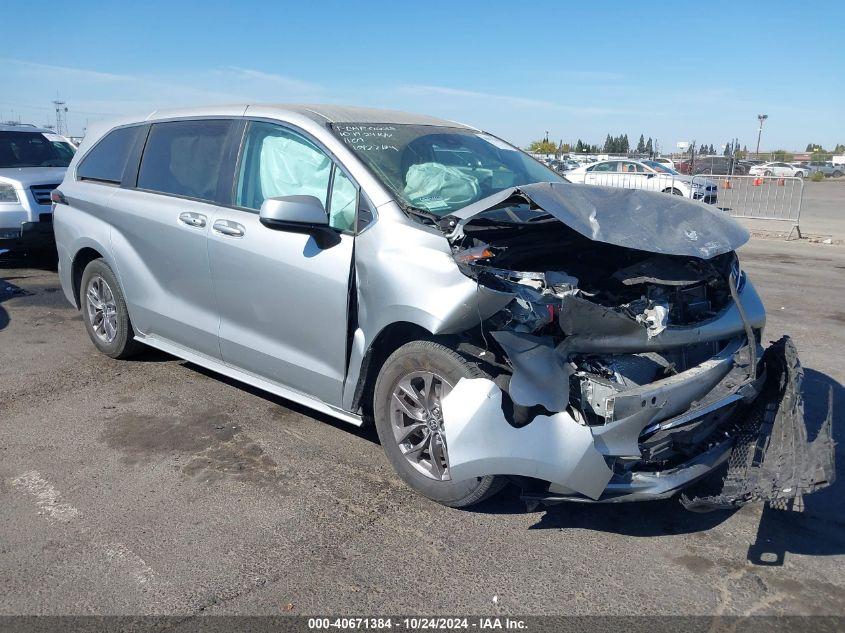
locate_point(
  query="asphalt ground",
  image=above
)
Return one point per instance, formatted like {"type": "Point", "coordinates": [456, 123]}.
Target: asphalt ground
{"type": "Point", "coordinates": [151, 486]}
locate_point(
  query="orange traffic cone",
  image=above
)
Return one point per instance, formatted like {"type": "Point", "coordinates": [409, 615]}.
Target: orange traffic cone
{"type": "Point", "coordinates": [781, 182]}
{"type": "Point", "coordinates": [726, 184]}
{"type": "Point", "coordinates": [757, 182]}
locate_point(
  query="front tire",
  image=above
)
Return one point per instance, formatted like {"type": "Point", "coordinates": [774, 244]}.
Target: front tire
{"type": "Point", "coordinates": [674, 191]}
{"type": "Point", "coordinates": [837, 174]}
{"type": "Point", "coordinates": [104, 311]}
{"type": "Point", "coordinates": [408, 415]}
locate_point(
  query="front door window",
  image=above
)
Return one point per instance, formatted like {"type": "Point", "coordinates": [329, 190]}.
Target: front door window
{"type": "Point", "coordinates": [279, 162]}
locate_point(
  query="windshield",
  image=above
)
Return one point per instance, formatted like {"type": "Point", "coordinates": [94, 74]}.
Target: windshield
{"type": "Point", "coordinates": [660, 167]}
{"type": "Point", "coordinates": [440, 169]}
{"type": "Point", "coordinates": [34, 149]}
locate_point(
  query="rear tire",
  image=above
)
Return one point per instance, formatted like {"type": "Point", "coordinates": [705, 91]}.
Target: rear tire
{"type": "Point", "coordinates": [674, 191]}
{"type": "Point", "coordinates": [104, 312]}
{"type": "Point", "coordinates": [419, 365]}
{"type": "Point", "coordinates": [767, 173]}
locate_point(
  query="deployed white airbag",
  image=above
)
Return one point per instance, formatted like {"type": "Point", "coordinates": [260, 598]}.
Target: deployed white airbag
{"type": "Point", "coordinates": [552, 448]}
{"type": "Point", "coordinates": [436, 186]}
{"type": "Point", "coordinates": [290, 167]}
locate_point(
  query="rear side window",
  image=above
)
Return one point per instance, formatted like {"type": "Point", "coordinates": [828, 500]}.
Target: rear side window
{"type": "Point", "coordinates": [184, 158]}
{"type": "Point", "coordinates": [107, 160]}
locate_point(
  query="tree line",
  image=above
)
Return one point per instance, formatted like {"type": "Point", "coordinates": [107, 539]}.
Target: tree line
{"type": "Point", "coordinates": [621, 145]}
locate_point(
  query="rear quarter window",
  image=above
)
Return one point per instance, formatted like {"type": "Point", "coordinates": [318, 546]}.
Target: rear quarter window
{"type": "Point", "coordinates": [107, 160]}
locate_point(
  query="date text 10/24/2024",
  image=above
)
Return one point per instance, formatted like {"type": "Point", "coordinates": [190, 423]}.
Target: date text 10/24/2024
{"type": "Point", "coordinates": [417, 623]}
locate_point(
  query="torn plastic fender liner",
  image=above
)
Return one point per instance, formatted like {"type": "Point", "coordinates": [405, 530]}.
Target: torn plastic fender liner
{"type": "Point", "coordinates": [552, 448]}
{"type": "Point", "coordinates": [772, 459]}
{"type": "Point", "coordinates": [540, 375]}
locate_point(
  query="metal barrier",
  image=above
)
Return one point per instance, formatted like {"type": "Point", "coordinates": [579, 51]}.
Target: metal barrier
{"type": "Point", "coordinates": [776, 198]}
{"type": "Point", "coordinates": [751, 197]}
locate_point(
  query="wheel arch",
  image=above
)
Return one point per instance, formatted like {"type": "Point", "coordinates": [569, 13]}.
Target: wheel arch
{"type": "Point", "coordinates": [81, 259]}
{"type": "Point", "coordinates": [388, 340]}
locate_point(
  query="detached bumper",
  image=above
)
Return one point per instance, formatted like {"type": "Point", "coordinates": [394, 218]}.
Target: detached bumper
{"type": "Point", "coordinates": [758, 427]}
{"type": "Point", "coordinates": [771, 459]}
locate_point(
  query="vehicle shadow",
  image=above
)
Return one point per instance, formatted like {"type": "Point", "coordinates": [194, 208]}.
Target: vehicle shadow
{"type": "Point", "coordinates": [8, 290]}
{"type": "Point", "coordinates": [647, 518]}
{"type": "Point", "coordinates": [19, 259]}
{"type": "Point", "coordinates": [152, 355]}
{"type": "Point", "coordinates": [367, 431]}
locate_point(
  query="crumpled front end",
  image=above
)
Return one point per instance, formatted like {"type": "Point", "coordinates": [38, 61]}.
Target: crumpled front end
{"type": "Point", "coordinates": [619, 374]}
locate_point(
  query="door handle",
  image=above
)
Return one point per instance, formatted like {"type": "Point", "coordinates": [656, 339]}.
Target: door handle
{"type": "Point", "coordinates": [229, 228]}
{"type": "Point", "coordinates": [192, 219]}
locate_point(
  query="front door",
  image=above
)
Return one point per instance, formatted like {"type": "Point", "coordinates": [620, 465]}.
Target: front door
{"type": "Point", "coordinates": [281, 297]}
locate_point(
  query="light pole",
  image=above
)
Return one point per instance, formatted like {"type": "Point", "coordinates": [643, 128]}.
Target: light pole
{"type": "Point", "coordinates": [761, 118]}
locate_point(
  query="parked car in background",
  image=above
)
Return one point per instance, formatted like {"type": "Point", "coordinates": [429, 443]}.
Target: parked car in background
{"type": "Point", "coordinates": [565, 166]}
{"type": "Point", "coordinates": [715, 165]}
{"type": "Point", "coordinates": [497, 322]}
{"type": "Point", "coordinates": [777, 169]}
{"type": "Point", "coordinates": [665, 161]}
{"type": "Point", "coordinates": [32, 163]}
{"type": "Point", "coordinates": [558, 165]}
{"type": "Point", "coordinates": [644, 174]}
{"type": "Point", "coordinates": [828, 168]}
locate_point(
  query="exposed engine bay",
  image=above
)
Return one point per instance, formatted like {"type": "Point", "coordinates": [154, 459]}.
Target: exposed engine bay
{"type": "Point", "coordinates": [568, 287]}
{"type": "Point", "coordinates": [654, 356]}
{"type": "Point", "coordinates": [544, 262]}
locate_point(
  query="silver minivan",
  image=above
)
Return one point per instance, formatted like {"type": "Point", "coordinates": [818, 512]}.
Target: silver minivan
{"type": "Point", "coordinates": [497, 322]}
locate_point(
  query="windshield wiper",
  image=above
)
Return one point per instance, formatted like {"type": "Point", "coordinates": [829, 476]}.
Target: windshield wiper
{"type": "Point", "coordinates": [421, 213]}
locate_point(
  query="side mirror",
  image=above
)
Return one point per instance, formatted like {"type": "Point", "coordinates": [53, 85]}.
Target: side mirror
{"type": "Point", "coordinates": [650, 175]}
{"type": "Point", "coordinates": [299, 214]}
{"type": "Point", "coordinates": [287, 212]}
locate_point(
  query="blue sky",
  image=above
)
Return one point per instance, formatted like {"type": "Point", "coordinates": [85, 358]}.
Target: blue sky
{"type": "Point", "coordinates": [671, 70]}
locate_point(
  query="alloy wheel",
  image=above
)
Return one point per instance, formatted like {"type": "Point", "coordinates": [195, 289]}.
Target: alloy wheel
{"type": "Point", "coordinates": [416, 417]}
{"type": "Point", "coordinates": [102, 309]}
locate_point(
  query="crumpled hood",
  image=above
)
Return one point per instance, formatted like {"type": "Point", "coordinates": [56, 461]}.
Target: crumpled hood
{"type": "Point", "coordinates": [644, 220]}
